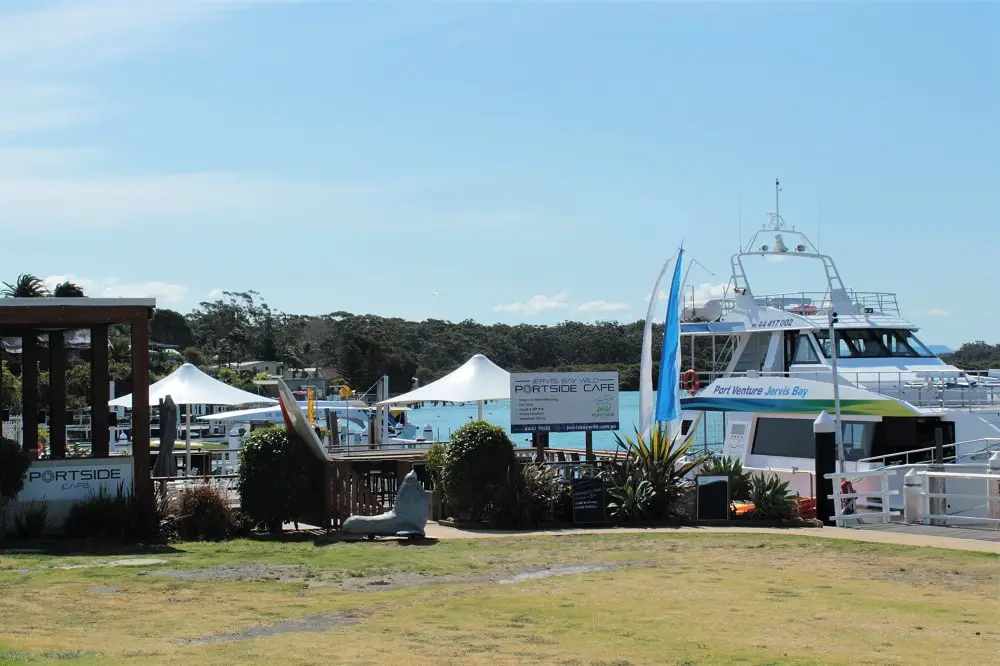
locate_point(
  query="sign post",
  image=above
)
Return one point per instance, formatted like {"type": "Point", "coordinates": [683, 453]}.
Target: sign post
{"type": "Point", "coordinates": [543, 402]}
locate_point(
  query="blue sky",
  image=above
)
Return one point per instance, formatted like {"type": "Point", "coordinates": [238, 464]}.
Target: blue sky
{"type": "Point", "coordinates": [497, 161]}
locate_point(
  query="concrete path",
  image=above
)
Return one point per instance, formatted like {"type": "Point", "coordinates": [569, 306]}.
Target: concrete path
{"type": "Point", "coordinates": [436, 531]}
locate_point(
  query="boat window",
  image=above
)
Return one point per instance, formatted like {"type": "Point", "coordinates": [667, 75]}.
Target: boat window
{"type": "Point", "coordinates": [804, 352]}
{"type": "Point", "coordinates": [873, 343]}
{"type": "Point", "coordinates": [793, 438]}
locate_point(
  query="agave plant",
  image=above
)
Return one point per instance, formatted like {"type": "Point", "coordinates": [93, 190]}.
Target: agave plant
{"type": "Point", "coordinates": [770, 497]}
{"type": "Point", "coordinates": [659, 459]}
{"type": "Point", "coordinates": [26, 286]}
{"type": "Point", "coordinates": [739, 481]}
{"type": "Point", "coordinates": [631, 499]}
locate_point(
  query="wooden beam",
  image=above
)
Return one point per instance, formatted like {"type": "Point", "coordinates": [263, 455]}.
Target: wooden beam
{"type": "Point", "coordinates": [69, 316]}
{"type": "Point", "coordinates": [57, 394]}
{"type": "Point", "coordinates": [100, 390]}
{"type": "Point", "coordinates": [29, 392]}
{"type": "Point", "coordinates": [140, 410]}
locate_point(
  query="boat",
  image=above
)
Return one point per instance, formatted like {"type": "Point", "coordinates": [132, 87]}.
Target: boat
{"type": "Point", "coordinates": [775, 371]}
{"type": "Point", "coordinates": [354, 418]}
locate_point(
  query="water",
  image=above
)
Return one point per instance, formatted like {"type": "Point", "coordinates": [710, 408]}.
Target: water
{"type": "Point", "coordinates": [445, 419]}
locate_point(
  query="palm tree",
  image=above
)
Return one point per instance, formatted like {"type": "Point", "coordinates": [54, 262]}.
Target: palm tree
{"type": "Point", "coordinates": [68, 290]}
{"type": "Point", "coordinates": [26, 286]}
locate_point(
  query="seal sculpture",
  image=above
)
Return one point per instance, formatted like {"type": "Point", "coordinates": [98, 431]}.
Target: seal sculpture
{"type": "Point", "coordinates": [407, 518]}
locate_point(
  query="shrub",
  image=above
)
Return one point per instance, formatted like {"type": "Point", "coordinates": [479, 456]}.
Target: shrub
{"type": "Point", "coordinates": [119, 517]}
{"type": "Point", "coordinates": [632, 499]}
{"type": "Point", "coordinates": [475, 467]}
{"type": "Point", "coordinates": [279, 480]}
{"type": "Point", "coordinates": [658, 460]}
{"type": "Point", "coordinates": [770, 497]}
{"type": "Point", "coordinates": [32, 519]}
{"type": "Point", "coordinates": [526, 499]}
{"type": "Point", "coordinates": [435, 457]}
{"type": "Point", "coordinates": [202, 512]}
{"type": "Point", "coordinates": [14, 464]}
{"type": "Point", "coordinates": [739, 481]}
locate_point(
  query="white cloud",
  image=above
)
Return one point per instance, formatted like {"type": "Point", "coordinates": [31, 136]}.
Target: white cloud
{"type": "Point", "coordinates": [541, 303]}
{"type": "Point", "coordinates": [75, 34]}
{"type": "Point", "coordinates": [164, 292]}
{"type": "Point", "coordinates": [60, 201]}
{"type": "Point", "coordinates": [937, 312]}
{"type": "Point", "coordinates": [536, 305]}
{"type": "Point", "coordinates": [602, 306]}
{"type": "Point", "coordinates": [214, 295]}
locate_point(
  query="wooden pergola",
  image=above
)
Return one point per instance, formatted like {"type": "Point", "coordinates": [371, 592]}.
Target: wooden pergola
{"type": "Point", "coordinates": [26, 318]}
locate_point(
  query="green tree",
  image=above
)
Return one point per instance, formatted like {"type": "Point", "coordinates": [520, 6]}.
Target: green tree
{"type": "Point", "coordinates": [10, 388]}
{"type": "Point", "coordinates": [171, 328]}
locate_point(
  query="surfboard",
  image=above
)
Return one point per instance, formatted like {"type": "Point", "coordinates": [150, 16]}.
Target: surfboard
{"type": "Point", "coordinates": [296, 420]}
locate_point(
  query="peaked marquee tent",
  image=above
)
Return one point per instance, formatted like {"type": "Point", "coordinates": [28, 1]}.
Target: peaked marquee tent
{"type": "Point", "coordinates": [187, 385]}
{"type": "Point", "coordinates": [476, 380]}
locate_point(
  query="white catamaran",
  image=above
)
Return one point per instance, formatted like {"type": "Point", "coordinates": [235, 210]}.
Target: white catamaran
{"type": "Point", "coordinates": [897, 399]}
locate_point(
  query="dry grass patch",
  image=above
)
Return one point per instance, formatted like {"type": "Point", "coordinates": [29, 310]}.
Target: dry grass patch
{"type": "Point", "coordinates": [586, 599]}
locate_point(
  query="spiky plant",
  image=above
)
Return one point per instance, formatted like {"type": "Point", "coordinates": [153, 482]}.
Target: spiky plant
{"type": "Point", "coordinates": [770, 497]}
{"type": "Point", "coordinates": [739, 481]}
{"type": "Point", "coordinates": [659, 459]}
{"type": "Point", "coordinates": [68, 290]}
{"type": "Point", "coordinates": [26, 286]}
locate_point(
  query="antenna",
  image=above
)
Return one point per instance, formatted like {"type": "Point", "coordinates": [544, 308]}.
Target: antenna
{"type": "Point", "coordinates": [819, 221]}
{"type": "Point", "coordinates": [777, 208]}
{"type": "Point", "coordinates": [739, 203]}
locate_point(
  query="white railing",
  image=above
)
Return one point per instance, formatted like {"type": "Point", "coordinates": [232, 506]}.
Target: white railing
{"type": "Point", "coordinates": [911, 386]}
{"type": "Point", "coordinates": [819, 303]}
{"type": "Point", "coordinates": [988, 444]}
{"type": "Point", "coordinates": [13, 428]}
{"type": "Point", "coordinates": [842, 500]}
{"type": "Point", "coordinates": [919, 496]}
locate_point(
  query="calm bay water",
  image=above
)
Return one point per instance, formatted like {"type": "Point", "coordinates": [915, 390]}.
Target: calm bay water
{"type": "Point", "coordinates": [445, 419]}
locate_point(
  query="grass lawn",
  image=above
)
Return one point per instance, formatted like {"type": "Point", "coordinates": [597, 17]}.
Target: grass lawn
{"type": "Point", "coordinates": [604, 599]}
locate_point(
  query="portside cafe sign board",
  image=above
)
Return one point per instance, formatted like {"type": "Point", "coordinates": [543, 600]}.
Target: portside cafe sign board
{"type": "Point", "coordinates": [76, 479]}
{"type": "Point", "coordinates": [563, 401]}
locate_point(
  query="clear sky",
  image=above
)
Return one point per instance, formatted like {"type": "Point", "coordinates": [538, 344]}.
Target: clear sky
{"type": "Point", "coordinates": [497, 161]}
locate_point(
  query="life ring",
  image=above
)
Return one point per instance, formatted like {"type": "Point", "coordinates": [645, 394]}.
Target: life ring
{"type": "Point", "coordinates": [692, 384]}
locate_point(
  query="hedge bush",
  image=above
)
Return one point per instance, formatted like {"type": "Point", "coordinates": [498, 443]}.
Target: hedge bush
{"type": "Point", "coordinates": [119, 517]}
{"type": "Point", "coordinates": [280, 479]}
{"type": "Point", "coordinates": [14, 464]}
{"type": "Point", "coordinates": [475, 469]}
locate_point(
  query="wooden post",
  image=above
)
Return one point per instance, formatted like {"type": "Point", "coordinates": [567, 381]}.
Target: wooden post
{"type": "Point", "coordinates": [590, 446]}
{"type": "Point", "coordinates": [29, 392]}
{"type": "Point", "coordinates": [57, 394]}
{"type": "Point", "coordinates": [140, 409]}
{"type": "Point", "coordinates": [540, 440]}
{"type": "Point", "coordinates": [100, 390]}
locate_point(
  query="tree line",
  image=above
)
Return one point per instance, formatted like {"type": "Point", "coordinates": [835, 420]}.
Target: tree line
{"type": "Point", "coordinates": [240, 326]}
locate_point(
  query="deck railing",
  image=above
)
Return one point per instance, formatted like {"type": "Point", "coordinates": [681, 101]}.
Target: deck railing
{"type": "Point", "coordinates": [842, 500]}
{"type": "Point", "coordinates": [920, 388]}
{"type": "Point", "coordinates": [815, 303]}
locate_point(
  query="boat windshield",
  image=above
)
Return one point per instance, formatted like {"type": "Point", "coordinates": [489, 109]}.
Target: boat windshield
{"type": "Point", "coordinates": [874, 343]}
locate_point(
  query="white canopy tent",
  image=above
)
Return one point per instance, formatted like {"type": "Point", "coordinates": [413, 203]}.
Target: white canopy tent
{"type": "Point", "coordinates": [187, 385]}
{"type": "Point", "coordinates": [478, 379]}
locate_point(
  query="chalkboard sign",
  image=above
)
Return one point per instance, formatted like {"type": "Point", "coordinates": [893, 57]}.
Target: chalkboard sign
{"type": "Point", "coordinates": [588, 500]}
{"type": "Point", "coordinates": [713, 497]}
